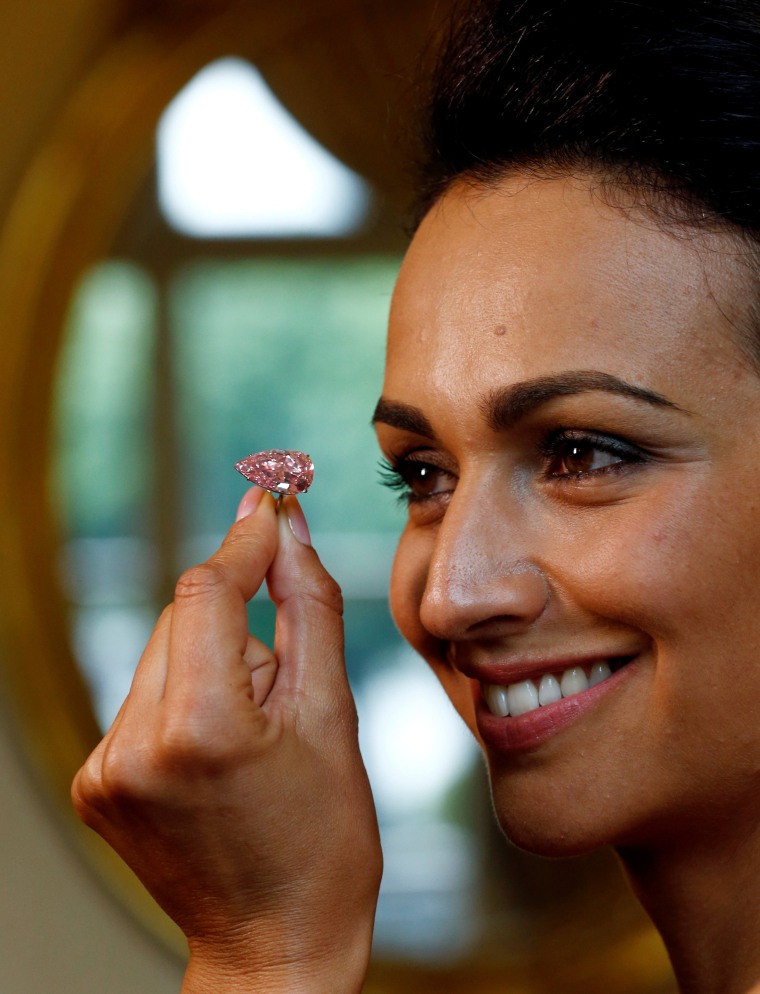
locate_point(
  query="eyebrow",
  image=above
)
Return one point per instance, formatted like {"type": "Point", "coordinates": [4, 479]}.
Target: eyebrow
{"type": "Point", "coordinates": [503, 408]}
{"type": "Point", "coordinates": [402, 416]}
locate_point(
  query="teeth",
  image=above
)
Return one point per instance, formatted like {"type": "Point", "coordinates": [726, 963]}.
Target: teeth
{"type": "Point", "coordinates": [549, 690]}
{"type": "Point", "coordinates": [523, 697]}
{"type": "Point", "coordinates": [599, 672]}
{"type": "Point", "coordinates": [574, 681]}
{"type": "Point", "coordinates": [496, 699]}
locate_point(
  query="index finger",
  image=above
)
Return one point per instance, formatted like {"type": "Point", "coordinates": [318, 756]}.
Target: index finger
{"type": "Point", "coordinates": [209, 629]}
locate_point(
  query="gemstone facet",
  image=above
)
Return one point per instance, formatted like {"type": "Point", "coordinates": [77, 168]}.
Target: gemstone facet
{"type": "Point", "coordinates": [281, 471]}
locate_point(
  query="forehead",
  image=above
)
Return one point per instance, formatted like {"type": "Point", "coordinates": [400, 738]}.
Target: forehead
{"type": "Point", "coordinates": [533, 277]}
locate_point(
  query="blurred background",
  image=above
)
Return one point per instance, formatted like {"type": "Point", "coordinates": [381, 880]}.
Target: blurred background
{"type": "Point", "coordinates": [203, 209]}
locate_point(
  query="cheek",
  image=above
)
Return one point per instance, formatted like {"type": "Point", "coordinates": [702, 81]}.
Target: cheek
{"type": "Point", "coordinates": [408, 579]}
{"type": "Point", "coordinates": [686, 571]}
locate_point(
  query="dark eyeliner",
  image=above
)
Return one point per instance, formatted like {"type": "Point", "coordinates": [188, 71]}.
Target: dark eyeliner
{"type": "Point", "coordinates": [552, 446]}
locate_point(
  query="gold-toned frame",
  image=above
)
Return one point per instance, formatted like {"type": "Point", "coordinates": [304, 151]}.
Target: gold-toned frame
{"type": "Point", "coordinates": [65, 216]}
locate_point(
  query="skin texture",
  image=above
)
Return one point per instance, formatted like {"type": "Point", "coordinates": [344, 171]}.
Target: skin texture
{"type": "Point", "coordinates": [516, 559]}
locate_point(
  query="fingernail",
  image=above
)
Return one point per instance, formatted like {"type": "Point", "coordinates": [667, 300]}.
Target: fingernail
{"type": "Point", "coordinates": [249, 503]}
{"type": "Point", "coordinates": [297, 521]}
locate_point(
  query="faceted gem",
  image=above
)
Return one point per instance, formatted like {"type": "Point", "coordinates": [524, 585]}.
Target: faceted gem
{"type": "Point", "coordinates": [281, 471]}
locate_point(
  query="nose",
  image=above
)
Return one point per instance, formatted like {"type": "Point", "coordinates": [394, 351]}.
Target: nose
{"type": "Point", "coordinates": [484, 575]}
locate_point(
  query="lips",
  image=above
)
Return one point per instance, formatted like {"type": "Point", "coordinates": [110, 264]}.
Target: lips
{"type": "Point", "coordinates": [542, 699]}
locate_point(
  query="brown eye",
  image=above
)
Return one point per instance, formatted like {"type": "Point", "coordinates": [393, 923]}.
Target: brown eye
{"type": "Point", "coordinates": [415, 479]}
{"type": "Point", "coordinates": [424, 480]}
{"type": "Point", "coordinates": [576, 457]}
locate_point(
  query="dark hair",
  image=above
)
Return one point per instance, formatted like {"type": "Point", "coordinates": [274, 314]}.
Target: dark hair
{"type": "Point", "coordinates": [660, 97]}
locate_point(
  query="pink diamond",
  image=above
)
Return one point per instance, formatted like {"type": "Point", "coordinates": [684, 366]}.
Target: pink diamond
{"type": "Point", "coordinates": [278, 470]}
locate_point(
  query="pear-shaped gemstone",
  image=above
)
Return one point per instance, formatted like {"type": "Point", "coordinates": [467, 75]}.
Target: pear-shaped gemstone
{"type": "Point", "coordinates": [280, 471]}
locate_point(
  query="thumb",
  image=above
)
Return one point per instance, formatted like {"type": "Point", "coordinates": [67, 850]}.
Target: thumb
{"type": "Point", "coordinates": [309, 628]}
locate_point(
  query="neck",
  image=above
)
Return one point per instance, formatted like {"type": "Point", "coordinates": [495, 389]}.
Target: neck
{"type": "Point", "coordinates": [704, 900]}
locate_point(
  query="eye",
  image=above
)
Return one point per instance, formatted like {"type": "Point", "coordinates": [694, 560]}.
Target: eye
{"type": "Point", "coordinates": [575, 454]}
{"type": "Point", "coordinates": [416, 479]}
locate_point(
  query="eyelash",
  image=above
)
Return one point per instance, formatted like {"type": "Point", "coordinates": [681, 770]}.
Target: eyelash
{"type": "Point", "coordinates": [556, 444]}
{"type": "Point", "coordinates": [396, 474]}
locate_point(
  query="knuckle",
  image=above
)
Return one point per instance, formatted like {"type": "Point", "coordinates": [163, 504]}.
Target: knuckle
{"type": "Point", "coordinates": [255, 548]}
{"type": "Point", "coordinates": [119, 777]}
{"type": "Point", "coordinates": [255, 542]}
{"type": "Point", "coordinates": [328, 594]}
{"type": "Point", "coordinates": [180, 743]}
{"type": "Point", "coordinates": [108, 779]}
{"type": "Point", "coordinates": [188, 744]}
{"type": "Point", "coordinates": [200, 581]}
{"type": "Point", "coordinates": [86, 792]}
{"type": "Point", "coordinates": [315, 598]}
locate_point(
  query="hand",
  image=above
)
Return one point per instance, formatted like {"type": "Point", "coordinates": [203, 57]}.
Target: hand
{"type": "Point", "coordinates": [231, 780]}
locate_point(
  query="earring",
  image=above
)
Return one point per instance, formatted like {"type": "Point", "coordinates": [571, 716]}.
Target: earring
{"type": "Point", "coordinates": [282, 472]}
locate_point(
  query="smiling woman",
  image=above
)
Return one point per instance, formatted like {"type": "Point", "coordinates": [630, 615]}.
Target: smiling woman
{"type": "Point", "coordinates": [570, 410]}
{"type": "Point", "coordinates": [549, 569]}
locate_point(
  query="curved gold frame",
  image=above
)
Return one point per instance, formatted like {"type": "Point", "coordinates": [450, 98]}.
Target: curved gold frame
{"type": "Point", "coordinates": [65, 216]}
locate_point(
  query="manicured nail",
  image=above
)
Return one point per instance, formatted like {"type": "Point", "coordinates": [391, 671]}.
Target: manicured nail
{"type": "Point", "coordinates": [249, 503]}
{"type": "Point", "coordinates": [297, 521]}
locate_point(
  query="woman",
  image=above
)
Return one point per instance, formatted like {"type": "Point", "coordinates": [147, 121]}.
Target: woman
{"type": "Point", "coordinates": [572, 410]}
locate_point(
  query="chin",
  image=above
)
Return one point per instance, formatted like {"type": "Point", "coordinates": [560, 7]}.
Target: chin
{"type": "Point", "coordinates": [554, 824]}
{"type": "Point", "coordinates": [551, 841]}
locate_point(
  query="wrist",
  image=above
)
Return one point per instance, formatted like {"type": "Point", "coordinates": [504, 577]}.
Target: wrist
{"type": "Point", "coordinates": [256, 968]}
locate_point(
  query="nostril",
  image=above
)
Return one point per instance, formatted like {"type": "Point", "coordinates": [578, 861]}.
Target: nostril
{"type": "Point", "coordinates": [462, 603]}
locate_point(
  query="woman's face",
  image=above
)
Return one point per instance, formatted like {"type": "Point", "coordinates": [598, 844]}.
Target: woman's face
{"type": "Point", "coordinates": [578, 431]}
